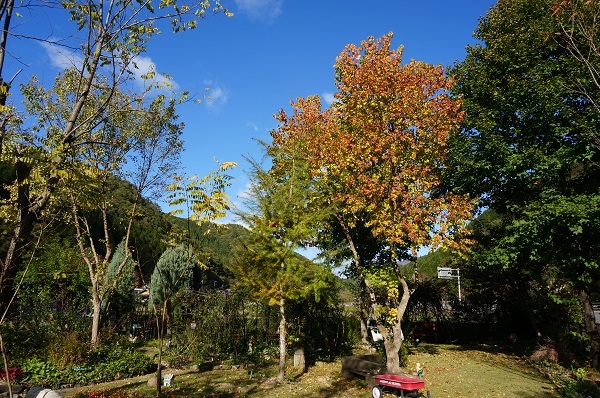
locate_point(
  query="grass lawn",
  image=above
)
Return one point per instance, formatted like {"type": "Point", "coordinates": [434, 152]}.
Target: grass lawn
{"type": "Point", "coordinates": [450, 371]}
{"type": "Point", "coordinates": [479, 371]}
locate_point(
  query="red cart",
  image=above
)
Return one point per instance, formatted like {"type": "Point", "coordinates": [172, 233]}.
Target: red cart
{"type": "Point", "coordinates": [402, 386]}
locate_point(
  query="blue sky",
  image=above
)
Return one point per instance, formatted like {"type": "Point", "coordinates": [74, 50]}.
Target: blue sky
{"type": "Point", "coordinates": [269, 53]}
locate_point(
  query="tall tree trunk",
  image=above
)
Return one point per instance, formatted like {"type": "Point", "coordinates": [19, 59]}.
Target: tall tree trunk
{"type": "Point", "coordinates": [392, 353]}
{"type": "Point", "coordinates": [591, 328]}
{"type": "Point", "coordinates": [393, 343]}
{"type": "Point", "coordinates": [392, 340]}
{"type": "Point", "coordinates": [96, 314]}
{"type": "Point", "coordinates": [363, 306]}
{"type": "Point", "coordinates": [282, 341]}
{"type": "Point", "coordinates": [364, 330]}
{"type": "Point", "coordinates": [363, 302]}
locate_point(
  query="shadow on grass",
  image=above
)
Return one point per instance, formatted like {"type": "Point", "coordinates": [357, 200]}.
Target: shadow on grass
{"type": "Point", "coordinates": [334, 389]}
{"type": "Point", "coordinates": [529, 394]}
{"type": "Point", "coordinates": [508, 364]}
{"type": "Point", "coordinates": [423, 348]}
{"type": "Point", "coordinates": [517, 350]}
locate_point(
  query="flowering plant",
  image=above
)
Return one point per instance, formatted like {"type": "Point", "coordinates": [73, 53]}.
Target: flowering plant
{"type": "Point", "coordinates": [13, 373]}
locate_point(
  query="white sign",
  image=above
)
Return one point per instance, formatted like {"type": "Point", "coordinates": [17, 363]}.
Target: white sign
{"type": "Point", "coordinates": [445, 273]}
{"type": "Point", "coordinates": [448, 273]}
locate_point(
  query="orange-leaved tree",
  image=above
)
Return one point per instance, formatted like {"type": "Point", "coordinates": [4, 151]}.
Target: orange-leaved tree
{"type": "Point", "coordinates": [382, 149]}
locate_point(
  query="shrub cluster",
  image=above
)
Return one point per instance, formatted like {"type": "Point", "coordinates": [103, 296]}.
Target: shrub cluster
{"type": "Point", "coordinates": [104, 364]}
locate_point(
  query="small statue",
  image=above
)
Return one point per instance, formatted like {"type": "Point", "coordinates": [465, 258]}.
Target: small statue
{"type": "Point", "coordinates": [419, 371]}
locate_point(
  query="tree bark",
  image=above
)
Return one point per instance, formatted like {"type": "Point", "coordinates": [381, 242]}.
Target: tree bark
{"type": "Point", "coordinates": [364, 331]}
{"type": "Point", "coordinates": [392, 340]}
{"type": "Point", "coordinates": [591, 328]}
{"type": "Point", "coordinates": [96, 313]}
{"type": "Point", "coordinates": [25, 219]}
{"type": "Point", "coordinates": [363, 290]}
{"type": "Point", "coordinates": [282, 341]}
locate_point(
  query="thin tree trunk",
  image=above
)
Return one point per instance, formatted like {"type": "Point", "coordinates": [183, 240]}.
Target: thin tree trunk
{"type": "Point", "coordinates": [96, 313]}
{"type": "Point", "coordinates": [6, 11]}
{"type": "Point", "coordinates": [22, 227]}
{"type": "Point", "coordinates": [591, 328]}
{"type": "Point", "coordinates": [282, 341]}
{"type": "Point", "coordinates": [362, 302]}
{"type": "Point", "coordinates": [364, 331]}
{"type": "Point", "coordinates": [363, 309]}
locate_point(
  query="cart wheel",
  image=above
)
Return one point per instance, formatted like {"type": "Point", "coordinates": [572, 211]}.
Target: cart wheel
{"type": "Point", "coordinates": [377, 392]}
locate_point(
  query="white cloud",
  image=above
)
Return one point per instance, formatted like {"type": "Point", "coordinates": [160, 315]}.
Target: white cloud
{"type": "Point", "coordinates": [216, 94]}
{"type": "Point", "coordinates": [253, 126]}
{"type": "Point", "coordinates": [328, 98]}
{"type": "Point", "coordinates": [60, 56]}
{"type": "Point", "coordinates": [260, 9]}
{"type": "Point", "coordinates": [141, 66]}
{"type": "Point", "coordinates": [63, 58]}
{"type": "Point", "coordinates": [245, 192]}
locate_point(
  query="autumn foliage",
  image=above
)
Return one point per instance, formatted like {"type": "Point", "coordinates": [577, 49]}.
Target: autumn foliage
{"type": "Point", "coordinates": [381, 152]}
{"type": "Point", "coordinates": [382, 144]}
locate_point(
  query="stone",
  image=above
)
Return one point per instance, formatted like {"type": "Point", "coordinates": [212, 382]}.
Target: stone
{"type": "Point", "coordinates": [15, 388]}
{"type": "Point", "coordinates": [41, 392]}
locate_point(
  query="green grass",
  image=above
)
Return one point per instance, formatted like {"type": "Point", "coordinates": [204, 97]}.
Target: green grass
{"type": "Point", "coordinates": [480, 371]}
{"type": "Point", "coordinates": [450, 371]}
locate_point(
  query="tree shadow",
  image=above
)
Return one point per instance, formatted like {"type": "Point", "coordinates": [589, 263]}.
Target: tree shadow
{"type": "Point", "coordinates": [423, 348]}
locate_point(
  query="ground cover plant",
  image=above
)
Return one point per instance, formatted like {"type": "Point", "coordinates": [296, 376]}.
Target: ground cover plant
{"type": "Point", "coordinates": [102, 365]}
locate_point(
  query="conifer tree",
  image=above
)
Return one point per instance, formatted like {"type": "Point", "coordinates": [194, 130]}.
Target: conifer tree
{"type": "Point", "coordinates": [283, 215]}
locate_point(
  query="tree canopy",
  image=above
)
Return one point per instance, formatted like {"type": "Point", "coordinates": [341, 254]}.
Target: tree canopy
{"type": "Point", "coordinates": [380, 151]}
{"type": "Point", "coordinates": [527, 147]}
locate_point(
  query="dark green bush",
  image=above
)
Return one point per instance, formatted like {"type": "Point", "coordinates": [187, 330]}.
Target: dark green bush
{"type": "Point", "coordinates": [579, 389]}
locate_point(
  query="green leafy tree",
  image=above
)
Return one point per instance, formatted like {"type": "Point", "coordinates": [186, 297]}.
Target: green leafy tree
{"type": "Point", "coordinates": [110, 38]}
{"type": "Point", "coordinates": [283, 216]}
{"type": "Point", "coordinates": [130, 133]}
{"type": "Point", "coordinates": [527, 148]}
{"type": "Point", "coordinates": [202, 200]}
